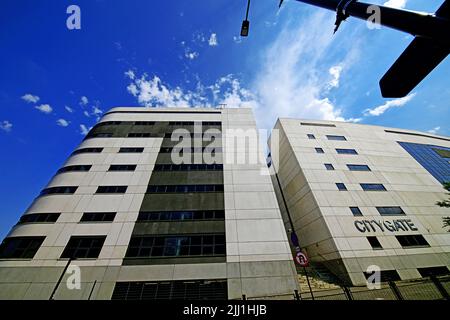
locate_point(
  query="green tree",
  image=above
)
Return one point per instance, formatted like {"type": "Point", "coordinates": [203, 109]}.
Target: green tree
{"type": "Point", "coordinates": [445, 204]}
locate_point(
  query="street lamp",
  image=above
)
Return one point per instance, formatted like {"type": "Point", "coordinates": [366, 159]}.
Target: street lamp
{"type": "Point", "coordinates": [245, 24]}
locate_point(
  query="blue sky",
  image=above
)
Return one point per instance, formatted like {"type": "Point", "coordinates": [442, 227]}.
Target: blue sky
{"type": "Point", "coordinates": [55, 82]}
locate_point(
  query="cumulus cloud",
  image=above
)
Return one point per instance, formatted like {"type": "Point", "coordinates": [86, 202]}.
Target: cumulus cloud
{"type": "Point", "coordinates": [152, 92]}
{"type": "Point", "coordinates": [84, 100]}
{"type": "Point", "coordinates": [396, 3]}
{"type": "Point", "coordinates": [191, 55]}
{"type": "Point", "coordinates": [44, 108]}
{"type": "Point", "coordinates": [293, 80]}
{"type": "Point", "coordinates": [68, 109]}
{"type": "Point", "coordinates": [6, 126]}
{"type": "Point", "coordinates": [377, 111]}
{"type": "Point", "coordinates": [130, 74]}
{"type": "Point", "coordinates": [213, 40]}
{"type": "Point", "coordinates": [30, 98]}
{"type": "Point", "coordinates": [83, 129]}
{"type": "Point", "coordinates": [435, 130]}
{"type": "Point", "coordinates": [62, 122]}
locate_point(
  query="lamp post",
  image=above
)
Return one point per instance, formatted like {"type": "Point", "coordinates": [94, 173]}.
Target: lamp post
{"type": "Point", "coordinates": [246, 24]}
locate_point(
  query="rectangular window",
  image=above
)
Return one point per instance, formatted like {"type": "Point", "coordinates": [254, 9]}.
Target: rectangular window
{"type": "Point", "coordinates": [317, 124]}
{"type": "Point", "coordinates": [191, 150]}
{"type": "Point", "coordinates": [20, 247]}
{"type": "Point", "coordinates": [356, 211]}
{"type": "Point", "coordinates": [122, 167]}
{"type": "Point", "coordinates": [329, 166]}
{"type": "Point", "coordinates": [87, 150]}
{"type": "Point", "coordinates": [416, 240]}
{"type": "Point", "coordinates": [311, 136]}
{"type": "Point", "coordinates": [144, 123]}
{"type": "Point", "coordinates": [372, 187]}
{"type": "Point", "coordinates": [336, 138]}
{"type": "Point", "coordinates": [341, 187]}
{"type": "Point", "coordinates": [181, 123]}
{"type": "Point", "coordinates": [175, 246]}
{"type": "Point", "coordinates": [140, 135]}
{"type": "Point", "coordinates": [181, 215]}
{"type": "Point", "coordinates": [188, 167]}
{"type": "Point", "coordinates": [391, 211]}
{"type": "Point", "coordinates": [108, 123]}
{"type": "Point", "coordinates": [80, 247]}
{"type": "Point", "coordinates": [112, 189]}
{"type": "Point", "coordinates": [58, 190]}
{"type": "Point", "coordinates": [346, 151]}
{"type": "Point", "coordinates": [386, 275]}
{"type": "Point", "coordinates": [98, 217]}
{"type": "Point", "coordinates": [319, 150]}
{"type": "Point", "coordinates": [358, 167]}
{"type": "Point", "coordinates": [75, 168]}
{"type": "Point", "coordinates": [131, 150]}
{"type": "Point", "coordinates": [374, 243]}
{"type": "Point", "coordinates": [39, 218]}
{"type": "Point", "coordinates": [190, 188]}
{"type": "Point", "coordinates": [211, 123]}
{"type": "Point", "coordinates": [168, 290]}
{"type": "Point", "coordinates": [99, 135]}
{"type": "Point", "coordinates": [433, 271]}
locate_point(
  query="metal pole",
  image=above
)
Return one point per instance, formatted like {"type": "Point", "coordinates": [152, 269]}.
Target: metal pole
{"type": "Point", "coordinates": [248, 8]}
{"type": "Point", "coordinates": [309, 285]}
{"type": "Point", "coordinates": [395, 290]}
{"type": "Point", "coordinates": [60, 279]}
{"type": "Point", "coordinates": [416, 23]}
{"type": "Point", "coordinates": [92, 290]}
{"type": "Point", "coordinates": [440, 287]}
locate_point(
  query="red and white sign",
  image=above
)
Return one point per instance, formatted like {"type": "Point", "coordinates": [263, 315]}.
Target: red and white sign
{"type": "Point", "coordinates": [301, 259]}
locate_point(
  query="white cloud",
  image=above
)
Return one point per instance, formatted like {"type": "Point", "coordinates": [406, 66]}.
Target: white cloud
{"type": "Point", "coordinates": [237, 39]}
{"type": "Point", "coordinates": [435, 130]}
{"type": "Point", "coordinates": [396, 3]}
{"type": "Point", "coordinates": [335, 72]}
{"type": "Point", "coordinates": [30, 98]}
{"type": "Point", "coordinates": [293, 80]}
{"type": "Point", "coordinates": [84, 100]}
{"type": "Point", "coordinates": [86, 113]}
{"type": "Point", "coordinates": [68, 109]}
{"type": "Point", "coordinates": [62, 122]}
{"type": "Point", "coordinates": [213, 40]}
{"type": "Point", "coordinates": [227, 90]}
{"type": "Point", "coordinates": [191, 55]}
{"type": "Point", "coordinates": [83, 129]}
{"type": "Point", "coordinates": [6, 126]}
{"type": "Point", "coordinates": [96, 111]}
{"type": "Point", "coordinates": [44, 108]}
{"type": "Point", "coordinates": [377, 111]}
{"type": "Point", "coordinates": [130, 74]}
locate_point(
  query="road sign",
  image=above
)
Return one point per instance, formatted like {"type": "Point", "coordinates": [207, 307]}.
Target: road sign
{"type": "Point", "coordinates": [301, 259]}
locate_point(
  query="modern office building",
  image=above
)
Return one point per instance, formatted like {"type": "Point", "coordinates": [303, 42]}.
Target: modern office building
{"type": "Point", "coordinates": [361, 195]}
{"type": "Point", "coordinates": [133, 214]}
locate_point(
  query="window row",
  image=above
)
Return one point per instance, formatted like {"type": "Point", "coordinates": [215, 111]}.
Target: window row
{"type": "Point", "coordinates": [338, 151]}
{"type": "Point", "coordinates": [190, 149]}
{"type": "Point", "coordinates": [185, 188]}
{"type": "Point", "coordinates": [351, 167]}
{"type": "Point", "coordinates": [176, 246]}
{"type": "Point", "coordinates": [406, 241]}
{"type": "Point", "coordinates": [364, 186]}
{"type": "Point", "coordinates": [188, 167]}
{"type": "Point", "coordinates": [177, 136]}
{"type": "Point", "coordinates": [85, 168]}
{"type": "Point", "coordinates": [181, 215]}
{"type": "Point", "coordinates": [383, 211]}
{"type": "Point", "coordinates": [71, 190]}
{"type": "Point", "coordinates": [329, 137]}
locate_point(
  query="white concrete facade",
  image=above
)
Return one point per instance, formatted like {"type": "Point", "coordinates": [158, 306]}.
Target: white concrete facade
{"type": "Point", "coordinates": [327, 229]}
{"type": "Point", "coordinates": [258, 258]}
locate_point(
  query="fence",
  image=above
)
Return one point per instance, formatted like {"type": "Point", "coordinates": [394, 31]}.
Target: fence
{"type": "Point", "coordinates": [432, 288]}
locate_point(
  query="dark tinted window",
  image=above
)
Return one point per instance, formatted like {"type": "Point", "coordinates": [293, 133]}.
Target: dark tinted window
{"type": "Point", "coordinates": [122, 167]}
{"type": "Point", "coordinates": [329, 166]}
{"type": "Point", "coordinates": [416, 240]}
{"type": "Point", "coordinates": [39, 217]}
{"type": "Point", "coordinates": [358, 167]}
{"type": "Point", "coordinates": [87, 150]}
{"type": "Point", "coordinates": [374, 243]}
{"type": "Point", "coordinates": [386, 275]}
{"type": "Point", "coordinates": [131, 150]}
{"type": "Point", "coordinates": [58, 190]}
{"type": "Point", "coordinates": [83, 247]}
{"type": "Point", "coordinates": [319, 150]}
{"type": "Point", "coordinates": [185, 188]}
{"type": "Point", "coordinates": [336, 138]}
{"type": "Point", "coordinates": [433, 271]}
{"type": "Point", "coordinates": [75, 168]}
{"type": "Point", "coordinates": [341, 187]}
{"type": "Point", "coordinates": [181, 215]}
{"type": "Point", "coordinates": [188, 167]}
{"type": "Point", "coordinates": [140, 135]}
{"type": "Point", "coordinates": [98, 217]}
{"type": "Point", "coordinates": [346, 151]}
{"type": "Point", "coordinates": [111, 189]}
{"type": "Point", "coordinates": [20, 247]}
{"type": "Point", "coordinates": [372, 187]}
{"type": "Point", "coordinates": [356, 211]}
{"type": "Point", "coordinates": [391, 211]}
{"type": "Point", "coordinates": [144, 123]}
{"type": "Point", "coordinates": [311, 136]}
